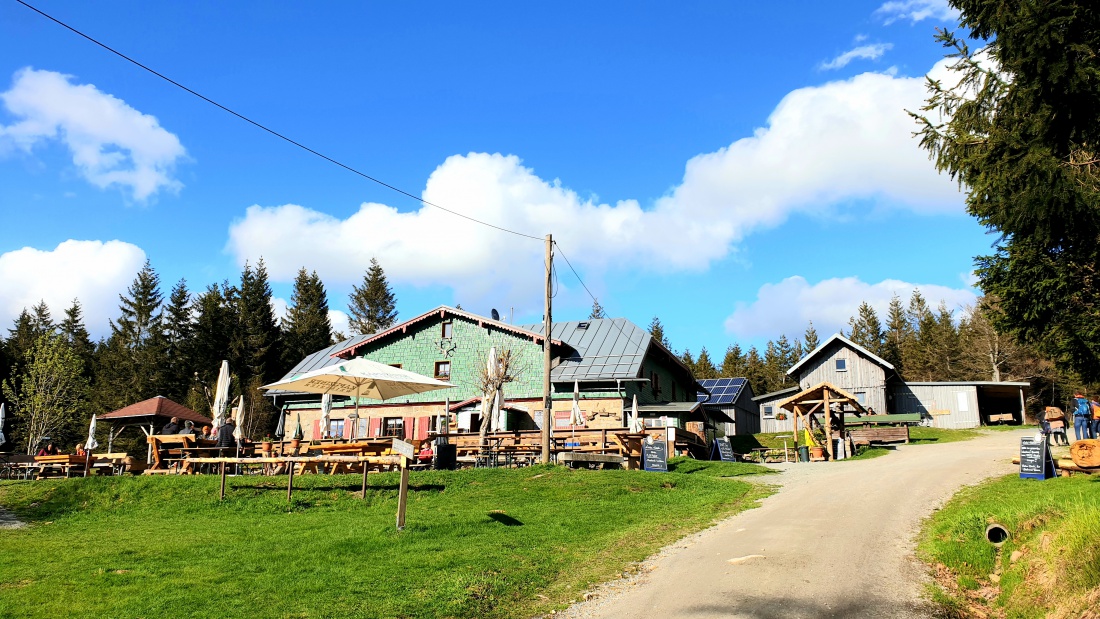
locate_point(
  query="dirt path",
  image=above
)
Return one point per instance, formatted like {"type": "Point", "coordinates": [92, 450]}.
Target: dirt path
{"type": "Point", "coordinates": [858, 519]}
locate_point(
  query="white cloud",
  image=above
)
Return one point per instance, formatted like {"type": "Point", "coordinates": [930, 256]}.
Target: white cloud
{"type": "Point", "coordinates": [95, 272]}
{"type": "Point", "coordinates": [339, 320]}
{"type": "Point", "coordinates": [111, 143]}
{"type": "Point", "coordinates": [917, 10]}
{"type": "Point", "coordinates": [788, 306]}
{"type": "Point", "coordinates": [868, 52]}
{"type": "Point", "coordinates": [823, 145]}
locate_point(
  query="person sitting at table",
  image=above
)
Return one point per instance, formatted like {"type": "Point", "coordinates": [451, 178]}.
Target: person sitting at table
{"type": "Point", "coordinates": [49, 449]}
{"type": "Point", "coordinates": [172, 427]}
{"type": "Point", "coordinates": [189, 428]}
{"type": "Point", "coordinates": [426, 453]}
{"type": "Point", "coordinates": [225, 434]}
{"type": "Point", "coordinates": [80, 450]}
{"type": "Point", "coordinates": [207, 434]}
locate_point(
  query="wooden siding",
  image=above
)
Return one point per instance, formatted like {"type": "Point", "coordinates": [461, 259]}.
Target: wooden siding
{"type": "Point", "coordinates": [862, 375]}
{"type": "Point", "coordinates": [772, 425]}
{"type": "Point", "coordinates": [945, 404]}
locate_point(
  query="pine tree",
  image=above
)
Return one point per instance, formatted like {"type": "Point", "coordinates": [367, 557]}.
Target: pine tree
{"type": "Point", "coordinates": [41, 320]}
{"type": "Point", "coordinates": [21, 337]}
{"type": "Point", "coordinates": [657, 330]}
{"type": "Point", "coordinates": [597, 310]}
{"type": "Point", "coordinates": [704, 367]}
{"type": "Point", "coordinates": [74, 333]}
{"type": "Point", "coordinates": [809, 339]}
{"type": "Point", "coordinates": [131, 363]}
{"type": "Point", "coordinates": [306, 328]}
{"type": "Point", "coordinates": [373, 306]}
{"type": "Point", "coordinates": [866, 329]}
{"type": "Point", "coordinates": [734, 364]}
{"type": "Point", "coordinates": [918, 356]}
{"type": "Point", "coordinates": [179, 336]}
{"type": "Point", "coordinates": [256, 345]}
{"type": "Point", "coordinates": [773, 368]}
{"type": "Point", "coordinates": [216, 323]}
{"type": "Point", "coordinates": [755, 372]}
{"type": "Point", "coordinates": [947, 346]}
{"type": "Point", "coordinates": [897, 335]}
{"type": "Point", "coordinates": [688, 360]}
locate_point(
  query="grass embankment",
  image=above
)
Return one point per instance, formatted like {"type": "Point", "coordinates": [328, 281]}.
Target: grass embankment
{"type": "Point", "coordinates": [1050, 566]}
{"type": "Point", "coordinates": [478, 543]}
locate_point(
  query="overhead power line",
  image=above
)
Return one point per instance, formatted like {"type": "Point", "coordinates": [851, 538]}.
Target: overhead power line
{"type": "Point", "coordinates": [269, 130]}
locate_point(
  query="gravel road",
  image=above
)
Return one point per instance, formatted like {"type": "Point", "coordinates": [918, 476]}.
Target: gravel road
{"type": "Point", "coordinates": [836, 541]}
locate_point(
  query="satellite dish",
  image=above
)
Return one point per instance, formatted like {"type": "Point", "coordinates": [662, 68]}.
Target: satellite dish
{"type": "Point", "coordinates": [496, 315]}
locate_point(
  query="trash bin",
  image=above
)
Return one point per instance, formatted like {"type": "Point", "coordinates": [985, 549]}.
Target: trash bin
{"type": "Point", "coordinates": [804, 454]}
{"type": "Point", "coordinates": [446, 457]}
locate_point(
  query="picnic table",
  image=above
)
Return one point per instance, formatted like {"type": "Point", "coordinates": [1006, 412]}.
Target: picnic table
{"type": "Point", "coordinates": [630, 443]}
{"type": "Point", "coordinates": [61, 465]}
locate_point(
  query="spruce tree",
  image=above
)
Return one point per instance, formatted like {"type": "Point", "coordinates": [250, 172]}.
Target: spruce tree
{"type": "Point", "coordinates": [74, 332]}
{"type": "Point", "coordinates": [919, 354]}
{"type": "Point", "coordinates": [306, 327]}
{"type": "Point", "coordinates": [256, 346]}
{"type": "Point", "coordinates": [755, 372]}
{"type": "Point", "coordinates": [810, 339]}
{"type": "Point", "coordinates": [179, 335]}
{"type": "Point", "coordinates": [21, 337]}
{"type": "Point", "coordinates": [687, 359]}
{"type": "Point", "coordinates": [597, 310]}
{"type": "Point", "coordinates": [41, 320]}
{"type": "Point", "coordinates": [131, 366]}
{"type": "Point", "coordinates": [897, 335]}
{"type": "Point", "coordinates": [657, 330]}
{"type": "Point", "coordinates": [867, 329]}
{"type": "Point", "coordinates": [704, 367]}
{"type": "Point", "coordinates": [947, 346]}
{"type": "Point", "coordinates": [773, 367]}
{"type": "Point", "coordinates": [734, 363]}
{"type": "Point", "coordinates": [373, 306]}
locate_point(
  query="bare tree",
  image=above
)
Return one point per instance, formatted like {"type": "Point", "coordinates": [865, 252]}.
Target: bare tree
{"type": "Point", "coordinates": [490, 382]}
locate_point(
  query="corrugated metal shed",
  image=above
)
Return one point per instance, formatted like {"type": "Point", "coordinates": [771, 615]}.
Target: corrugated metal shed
{"type": "Point", "coordinates": [602, 349]}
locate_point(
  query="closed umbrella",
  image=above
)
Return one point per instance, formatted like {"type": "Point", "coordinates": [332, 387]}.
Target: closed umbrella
{"type": "Point", "coordinates": [238, 431]}
{"type": "Point", "coordinates": [280, 431]}
{"type": "Point", "coordinates": [2, 439]}
{"type": "Point", "coordinates": [576, 417]}
{"type": "Point", "coordinates": [221, 396]}
{"type": "Point", "coordinates": [326, 414]}
{"type": "Point", "coordinates": [298, 429]}
{"type": "Point", "coordinates": [635, 423]}
{"type": "Point", "coordinates": [89, 445]}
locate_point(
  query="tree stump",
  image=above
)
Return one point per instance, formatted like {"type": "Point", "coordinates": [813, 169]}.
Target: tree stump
{"type": "Point", "coordinates": [1086, 453]}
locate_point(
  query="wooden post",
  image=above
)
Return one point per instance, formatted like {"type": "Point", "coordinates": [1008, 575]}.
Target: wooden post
{"type": "Point", "coordinates": [87, 461]}
{"type": "Point", "coordinates": [222, 497]}
{"type": "Point", "coordinates": [547, 398]}
{"type": "Point", "coordinates": [364, 479]}
{"type": "Point", "coordinates": [403, 493]}
{"type": "Point", "coordinates": [828, 423]}
{"type": "Point", "coordinates": [290, 482]}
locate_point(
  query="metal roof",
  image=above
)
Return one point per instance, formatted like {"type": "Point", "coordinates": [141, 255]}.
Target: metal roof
{"type": "Point", "coordinates": [722, 391]}
{"type": "Point", "coordinates": [320, 359]}
{"type": "Point", "coordinates": [836, 337]}
{"type": "Point", "coordinates": [970, 383]}
{"type": "Point", "coordinates": [602, 349]}
{"type": "Point", "coordinates": [768, 396]}
{"type": "Point", "coordinates": [668, 408]}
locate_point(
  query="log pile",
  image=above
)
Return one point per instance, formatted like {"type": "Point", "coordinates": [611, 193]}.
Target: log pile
{"type": "Point", "coordinates": [1086, 453]}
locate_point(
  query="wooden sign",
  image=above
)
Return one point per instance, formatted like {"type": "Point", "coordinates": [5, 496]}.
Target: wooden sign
{"type": "Point", "coordinates": [655, 455]}
{"type": "Point", "coordinates": [1035, 460]}
{"type": "Point", "coordinates": [403, 448]}
{"type": "Point", "coordinates": [723, 449]}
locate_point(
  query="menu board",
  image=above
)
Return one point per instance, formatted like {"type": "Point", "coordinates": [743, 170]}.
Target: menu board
{"type": "Point", "coordinates": [723, 450]}
{"type": "Point", "coordinates": [655, 455]}
{"type": "Point", "coordinates": [1035, 460]}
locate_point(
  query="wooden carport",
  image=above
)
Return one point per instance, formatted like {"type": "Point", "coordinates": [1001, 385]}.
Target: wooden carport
{"type": "Point", "coordinates": [825, 398]}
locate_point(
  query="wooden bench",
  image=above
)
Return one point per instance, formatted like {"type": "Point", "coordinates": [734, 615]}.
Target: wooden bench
{"type": "Point", "coordinates": [868, 436]}
{"type": "Point", "coordinates": [573, 458]}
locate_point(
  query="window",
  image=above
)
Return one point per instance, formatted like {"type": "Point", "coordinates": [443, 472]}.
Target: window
{"type": "Point", "coordinates": [841, 365]}
{"type": "Point", "coordinates": [395, 365]}
{"type": "Point", "coordinates": [769, 412]}
{"type": "Point", "coordinates": [336, 428]}
{"type": "Point", "coordinates": [448, 330]}
{"type": "Point", "coordinates": [655, 383]}
{"type": "Point", "coordinates": [393, 426]}
{"type": "Point", "coordinates": [443, 369]}
{"type": "Point", "coordinates": [363, 431]}
{"type": "Point", "coordinates": [861, 397]}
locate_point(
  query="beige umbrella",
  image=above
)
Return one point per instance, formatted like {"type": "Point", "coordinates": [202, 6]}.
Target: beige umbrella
{"type": "Point", "coordinates": [221, 396]}
{"type": "Point", "coordinates": [361, 377]}
{"type": "Point", "coordinates": [576, 417]}
{"type": "Point", "coordinates": [238, 431]}
{"type": "Point", "coordinates": [326, 414]}
{"type": "Point", "coordinates": [635, 423]}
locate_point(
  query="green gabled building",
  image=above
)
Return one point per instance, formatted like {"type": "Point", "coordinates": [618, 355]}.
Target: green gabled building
{"type": "Point", "coordinates": [610, 360]}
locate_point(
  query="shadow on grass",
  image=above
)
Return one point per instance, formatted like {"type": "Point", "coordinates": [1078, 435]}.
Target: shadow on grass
{"type": "Point", "coordinates": [505, 519]}
{"type": "Point", "coordinates": [354, 488]}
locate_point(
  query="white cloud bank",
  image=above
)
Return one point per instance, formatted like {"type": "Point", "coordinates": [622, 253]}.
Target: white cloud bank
{"type": "Point", "coordinates": [822, 145]}
{"type": "Point", "coordinates": [96, 272]}
{"type": "Point", "coordinates": [788, 306]}
{"type": "Point", "coordinates": [111, 143]}
{"type": "Point", "coordinates": [917, 10]}
{"type": "Point", "coordinates": [873, 51]}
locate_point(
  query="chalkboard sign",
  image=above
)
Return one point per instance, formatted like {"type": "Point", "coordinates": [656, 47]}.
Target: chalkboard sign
{"type": "Point", "coordinates": [1035, 460]}
{"type": "Point", "coordinates": [723, 450]}
{"type": "Point", "coordinates": [655, 455]}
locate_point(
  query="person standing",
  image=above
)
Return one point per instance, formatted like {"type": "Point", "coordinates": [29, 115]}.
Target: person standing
{"type": "Point", "coordinates": [1082, 417]}
{"type": "Point", "coordinates": [1094, 406]}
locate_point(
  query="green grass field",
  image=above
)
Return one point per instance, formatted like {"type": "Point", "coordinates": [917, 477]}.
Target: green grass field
{"type": "Point", "coordinates": [1053, 523]}
{"type": "Point", "coordinates": [478, 543]}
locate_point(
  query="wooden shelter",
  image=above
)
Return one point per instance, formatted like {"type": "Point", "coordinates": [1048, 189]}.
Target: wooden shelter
{"type": "Point", "coordinates": [829, 400]}
{"type": "Point", "coordinates": [147, 415]}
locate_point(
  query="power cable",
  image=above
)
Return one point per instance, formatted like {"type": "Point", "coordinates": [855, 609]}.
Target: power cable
{"type": "Point", "coordinates": [269, 130]}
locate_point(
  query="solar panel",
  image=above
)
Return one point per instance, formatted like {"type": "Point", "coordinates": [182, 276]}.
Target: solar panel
{"type": "Point", "coordinates": [723, 391]}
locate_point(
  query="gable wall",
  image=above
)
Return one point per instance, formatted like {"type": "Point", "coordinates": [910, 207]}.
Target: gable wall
{"type": "Point", "coordinates": [862, 374]}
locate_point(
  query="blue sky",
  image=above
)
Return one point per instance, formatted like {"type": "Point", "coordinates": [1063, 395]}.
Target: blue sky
{"type": "Point", "coordinates": [735, 168]}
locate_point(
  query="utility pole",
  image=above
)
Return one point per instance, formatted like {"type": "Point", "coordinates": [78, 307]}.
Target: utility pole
{"type": "Point", "coordinates": [547, 400]}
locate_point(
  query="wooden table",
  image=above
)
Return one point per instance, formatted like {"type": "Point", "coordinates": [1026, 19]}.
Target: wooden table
{"type": "Point", "coordinates": [631, 444]}
{"type": "Point", "coordinates": [65, 463]}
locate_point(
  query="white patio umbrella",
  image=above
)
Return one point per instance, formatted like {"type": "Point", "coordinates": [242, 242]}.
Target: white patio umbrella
{"type": "Point", "coordinates": [635, 423]}
{"type": "Point", "coordinates": [91, 443]}
{"type": "Point", "coordinates": [221, 396]}
{"type": "Point", "coordinates": [576, 417]}
{"type": "Point", "coordinates": [326, 414]}
{"type": "Point", "coordinates": [361, 378]}
{"type": "Point", "coordinates": [280, 431]}
{"type": "Point", "coordinates": [2, 439]}
{"type": "Point", "coordinates": [238, 431]}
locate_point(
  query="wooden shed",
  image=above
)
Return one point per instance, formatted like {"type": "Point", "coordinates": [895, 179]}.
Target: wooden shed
{"type": "Point", "coordinates": [842, 363]}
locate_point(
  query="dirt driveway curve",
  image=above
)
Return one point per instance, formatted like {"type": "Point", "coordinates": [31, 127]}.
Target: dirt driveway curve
{"type": "Point", "coordinates": [858, 519]}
